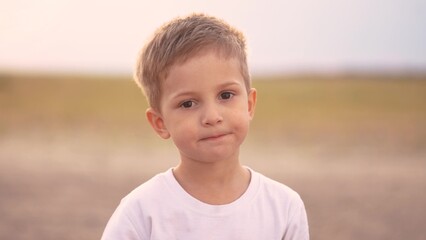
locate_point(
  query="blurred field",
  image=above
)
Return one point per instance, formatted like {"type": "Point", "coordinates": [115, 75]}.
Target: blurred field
{"type": "Point", "coordinates": [354, 147]}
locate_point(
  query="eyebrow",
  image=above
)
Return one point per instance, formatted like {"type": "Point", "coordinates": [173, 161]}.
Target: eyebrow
{"type": "Point", "coordinates": [230, 83]}
{"type": "Point", "coordinates": [221, 86]}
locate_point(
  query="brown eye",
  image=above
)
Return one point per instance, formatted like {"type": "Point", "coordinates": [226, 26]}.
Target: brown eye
{"type": "Point", "coordinates": [187, 104]}
{"type": "Point", "coordinates": [226, 95]}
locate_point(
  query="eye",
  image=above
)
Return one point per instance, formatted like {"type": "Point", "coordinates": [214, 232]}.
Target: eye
{"type": "Point", "coordinates": [187, 104]}
{"type": "Point", "coordinates": [226, 95]}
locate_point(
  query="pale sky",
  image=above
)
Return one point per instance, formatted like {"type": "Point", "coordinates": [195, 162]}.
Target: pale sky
{"type": "Point", "coordinates": [283, 36]}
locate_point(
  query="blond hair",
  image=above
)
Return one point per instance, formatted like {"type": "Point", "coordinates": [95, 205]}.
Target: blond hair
{"type": "Point", "coordinates": [181, 39]}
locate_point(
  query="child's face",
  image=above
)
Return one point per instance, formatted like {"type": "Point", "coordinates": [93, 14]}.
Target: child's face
{"type": "Point", "coordinates": [205, 108]}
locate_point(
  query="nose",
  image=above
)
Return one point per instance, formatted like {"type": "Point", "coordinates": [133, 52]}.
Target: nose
{"type": "Point", "coordinates": [211, 115]}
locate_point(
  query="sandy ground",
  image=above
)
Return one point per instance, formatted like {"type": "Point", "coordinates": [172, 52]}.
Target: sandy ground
{"type": "Point", "coordinates": [65, 184]}
{"type": "Point", "coordinates": [355, 150]}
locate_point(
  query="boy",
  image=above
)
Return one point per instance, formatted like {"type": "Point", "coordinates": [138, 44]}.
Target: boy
{"type": "Point", "coordinates": [195, 76]}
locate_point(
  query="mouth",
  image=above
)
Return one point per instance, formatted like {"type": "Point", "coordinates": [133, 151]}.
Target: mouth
{"type": "Point", "coordinates": [214, 137]}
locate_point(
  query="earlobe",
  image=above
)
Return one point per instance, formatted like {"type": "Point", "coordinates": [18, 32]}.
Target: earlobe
{"type": "Point", "coordinates": [157, 123]}
{"type": "Point", "coordinates": [252, 96]}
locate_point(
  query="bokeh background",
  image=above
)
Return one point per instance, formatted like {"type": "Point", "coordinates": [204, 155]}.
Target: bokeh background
{"type": "Point", "coordinates": [341, 115]}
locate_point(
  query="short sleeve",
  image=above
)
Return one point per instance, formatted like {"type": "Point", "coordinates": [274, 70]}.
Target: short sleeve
{"type": "Point", "coordinates": [297, 228]}
{"type": "Point", "coordinates": [120, 226]}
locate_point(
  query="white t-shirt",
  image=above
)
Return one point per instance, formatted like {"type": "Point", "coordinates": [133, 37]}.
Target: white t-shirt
{"type": "Point", "coordinates": [160, 209]}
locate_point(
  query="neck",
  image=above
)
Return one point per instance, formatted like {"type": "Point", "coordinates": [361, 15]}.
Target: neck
{"type": "Point", "coordinates": [214, 183]}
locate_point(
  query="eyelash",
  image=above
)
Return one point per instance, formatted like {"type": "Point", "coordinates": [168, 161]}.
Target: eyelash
{"type": "Point", "coordinates": [189, 103]}
{"type": "Point", "coordinates": [231, 94]}
{"type": "Point", "coordinates": [182, 105]}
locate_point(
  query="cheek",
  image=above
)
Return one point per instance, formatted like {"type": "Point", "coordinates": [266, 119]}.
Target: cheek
{"type": "Point", "coordinates": [241, 112]}
{"type": "Point", "coordinates": [182, 132]}
{"type": "Point", "coordinates": [241, 121]}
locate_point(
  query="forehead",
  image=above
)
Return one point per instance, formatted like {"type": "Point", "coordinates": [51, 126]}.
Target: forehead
{"type": "Point", "coordinates": [184, 55]}
{"type": "Point", "coordinates": [197, 57]}
{"type": "Point", "coordinates": [202, 70]}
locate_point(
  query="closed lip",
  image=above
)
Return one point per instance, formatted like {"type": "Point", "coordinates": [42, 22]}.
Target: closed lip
{"type": "Point", "coordinates": [214, 136]}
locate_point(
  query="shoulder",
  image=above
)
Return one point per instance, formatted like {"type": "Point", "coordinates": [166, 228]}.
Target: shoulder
{"type": "Point", "coordinates": [284, 205]}
{"type": "Point", "coordinates": [130, 219]}
{"type": "Point", "coordinates": [274, 187]}
{"type": "Point", "coordinates": [274, 191]}
{"type": "Point", "coordinates": [149, 191]}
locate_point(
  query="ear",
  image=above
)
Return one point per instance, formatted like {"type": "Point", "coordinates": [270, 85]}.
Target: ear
{"type": "Point", "coordinates": [157, 123]}
{"type": "Point", "coordinates": [252, 96]}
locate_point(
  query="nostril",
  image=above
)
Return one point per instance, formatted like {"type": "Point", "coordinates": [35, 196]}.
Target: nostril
{"type": "Point", "coordinates": [212, 121]}
{"type": "Point", "coordinates": [212, 118]}
{"type": "Point", "coordinates": [211, 113]}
